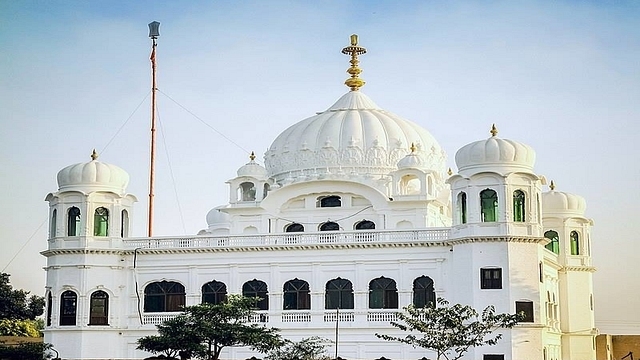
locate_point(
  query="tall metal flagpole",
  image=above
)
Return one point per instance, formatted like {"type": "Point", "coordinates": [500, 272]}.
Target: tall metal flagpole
{"type": "Point", "coordinates": [154, 33]}
{"type": "Point", "coordinates": [337, 322]}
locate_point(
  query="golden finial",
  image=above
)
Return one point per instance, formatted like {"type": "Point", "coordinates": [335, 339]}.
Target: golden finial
{"type": "Point", "coordinates": [94, 155]}
{"type": "Point", "coordinates": [413, 148]}
{"type": "Point", "coordinates": [252, 156]}
{"type": "Point", "coordinates": [494, 130]}
{"type": "Point", "coordinates": [552, 186]}
{"type": "Point", "coordinates": [450, 172]}
{"type": "Point", "coordinates": [354, 82]}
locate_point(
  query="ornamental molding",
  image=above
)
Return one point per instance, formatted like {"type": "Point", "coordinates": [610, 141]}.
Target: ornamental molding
{"type": "Point", "coordinates": [509, 238]}
{"type": "Point", "coordinates": [585, 268]}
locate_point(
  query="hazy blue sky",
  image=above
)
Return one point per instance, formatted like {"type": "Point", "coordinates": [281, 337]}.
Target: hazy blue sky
{"type": "Point", "coordinates": [561, 76]}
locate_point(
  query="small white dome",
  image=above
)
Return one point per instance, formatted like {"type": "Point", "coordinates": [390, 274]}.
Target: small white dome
{"type": "Point", "coordinates": [93, 176]}
{"type": "Point", "coordinates": [353, 136]}
{"type": "Point", "coordinates": [562, 202]}
{"type": "Point", "coordinates": [217, 217]}
{"type": "Point", "coordinates": [414, 160]}
{"type": "Point", "coordinates": [253, 169]}
{"type": "Point", "coordinates": [495, 154]}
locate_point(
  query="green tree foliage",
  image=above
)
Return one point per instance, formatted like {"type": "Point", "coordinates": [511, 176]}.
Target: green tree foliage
{"type": "Point", "coordinates": [450, 331]}
{"type": "Point", "coordinates": [204, 330]}
{"type": "Point", "coordinates": [312, 348]}
{"type": "Point", "coordinates": [26, 351]}
{"type": "Point", "coordinates": [13, 327]}
{"type": "Point", "coordinates": [17, 304]}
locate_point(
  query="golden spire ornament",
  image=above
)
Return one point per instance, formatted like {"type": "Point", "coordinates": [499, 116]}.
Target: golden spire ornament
{"type": "Point", "coordinates": [354, 82]}
{"type": "Point", "coordinates": [252, 156]}
{"type": "Point", "coordinates": [94, 155]}
{"type": "Point", "coordinates": [552, 186]}
{"type": "Point", "coordinates": [494, 130]}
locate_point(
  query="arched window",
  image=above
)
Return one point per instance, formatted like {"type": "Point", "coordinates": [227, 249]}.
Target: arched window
{"type": "Point", "coordinates": [101, 222]}
{"type": "Point", "coordinates": [338, 294]}
{"type": "Point", "coordinates": [518, 206]}
{"type": "Point", "coordinates": [554, 245]}
{"type": "Point", "coordinates": [329, 226]}
{"type": "Point", "coordinates": [575, 243]}
{"type": "Point", "coordinates": [265, 190]}
{"type": "Point", "coordinates": [257, 288]}
{"type": "Point", "coordinates": [295, 227]}
{"type": "Point", "coordinates": [365, 225]}
{"type": "Point", "coordinates": [99, 308]}
{"type": "Point", "coordinates": [53, 225]}
{"type": "Point", "coordinates": [124, 224]}
{"type": "Point", "coordinates": [164, 296]}
{"type": "Point", "coordinates": [489, 205]}
{"type": "Point", "coordinates": [49, 308]}
{"type": "Point", "coordinates": [73, 221]}
{"type": "Point", "coordinates": [214, 292]}
{"type": "Point", "coordinates": [383, 294]}
{"type": "Point", "coordinates": [68, 307]}
{"type": "Point", "coordinates": [296, 295]}
{"type": "Point", "coordinates": [247, 191]}
{"type": "Point", "coordinates": [462, 207]}
{"type": "Point", "coordinates": [329, 201]}
{"type": "Point", "coordinates": [423, 292]}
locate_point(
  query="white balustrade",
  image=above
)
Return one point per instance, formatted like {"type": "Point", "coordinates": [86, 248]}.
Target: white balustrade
{"type": "Point", "coordinates": [158, 318]}
{"type": "Point", "coordinates": [382, 315]}
{"type": "Point", "coordinates": [342, 316]}
{"type": "Point", "coordinates": [296, 316]}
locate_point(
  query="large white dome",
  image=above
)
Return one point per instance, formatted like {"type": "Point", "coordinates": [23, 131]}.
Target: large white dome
{"type": "Point", "coordinates": [93, 176]}
{"type": "Point", "coordinates": [353, 136]}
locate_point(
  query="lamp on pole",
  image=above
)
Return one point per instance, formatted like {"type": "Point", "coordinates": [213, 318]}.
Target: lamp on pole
{"type": "Point", "coordinates": [154, 33]}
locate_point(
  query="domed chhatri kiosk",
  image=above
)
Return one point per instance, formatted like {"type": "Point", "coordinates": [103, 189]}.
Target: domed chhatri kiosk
{"type": "Point", "coordinates": [353, 216]}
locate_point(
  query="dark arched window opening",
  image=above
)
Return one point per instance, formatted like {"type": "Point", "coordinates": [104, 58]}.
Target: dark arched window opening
{"type": "Point", "coordinates": [554, 245]}
{"type": "Point", "coordinates": [214, 292]}
{"type": "Point", "coordinates": [462, 207]}
{"type": "Point", "coordinates": [124, 224]}
{"type": "Point", "coordinates": [383, 294]}
{"type": "Point", "coordinates": [489, 205]}
{"type": "Point", "coordinates": [257, 288]}
{"type": "Point", "coordinates": [295, 227]}
{"type": "Point", "coordinates": [164, 296]}
{"type": "Point", "coordinates": [49, 308]}
{"type": "Point", "coordinates": [265, 190]}
{"type": "Point", "coordinates": [329, 226]}
{"type": "Point", "coordinates": [329, 201]}
{"type": "Point", "coordinates": [423, 293]}
{"type": "Point", "coordinates": [53, 225]}
{"type": "Point", "coordinates": [68, 307]}
{"type": "Point", "coordinates": [101, 222]}
{"type": "Point", "coordinates": [248, 191]}
{"type": "Point", "coordinates": [575, 243]}
{"type": "Point", "coordinates": [73, 222]}
{"type": "Point", "coordinates": [518, 206]}
{"type": "Point", "coordinates": [99, 308]}
{"type": "Point", "coordinates": [338, 294]}
{"type": "Point", "coordinates": [296, 295]}
{"type": "Point", "coordinates": [365, 225]}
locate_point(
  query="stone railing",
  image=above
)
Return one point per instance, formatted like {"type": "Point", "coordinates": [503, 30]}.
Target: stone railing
{"type": "Point", "coordinates": [296, 316]}
{"type": "Point", "coordinates": [382, 315]}
{"type": "Point", "coordinates": [290, 239]}
{"type": "Point", "coordinates": [158, 318]}
{"type": "Point", "coordinates": [342, 316]}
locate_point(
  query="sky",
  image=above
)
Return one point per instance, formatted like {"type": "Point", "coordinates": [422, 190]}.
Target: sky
{"type": "Point", "coordinates": [561, 76]}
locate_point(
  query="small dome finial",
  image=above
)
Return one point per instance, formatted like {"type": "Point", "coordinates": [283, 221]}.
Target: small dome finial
{"type": "Point", "coordinates": [94, 155]}
{"type": "Point", "coordinates": [450, 172]}
{"type": "Point", "coordinates": [494, 130]}
{"type": "Point", "coordinates": [354, 82]}
{"type": "Point", "coordinates": [552, 185]}
{"type": "Point", "coordinates": [413, 148]}
{"type": "Point", "coordinates": [252, 156]}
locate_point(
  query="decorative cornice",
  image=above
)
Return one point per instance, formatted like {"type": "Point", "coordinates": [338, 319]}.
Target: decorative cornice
{"type": "Point", "coordinates": [508, 238]}
{"type": "Point", "coordinates": [578, 268]}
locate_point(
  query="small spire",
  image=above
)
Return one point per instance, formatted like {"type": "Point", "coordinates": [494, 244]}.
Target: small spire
{"type": "Point", "coordinates": [450, 172]}
{"type": "Point", "coordinates": [413, 148]}
{"type": "Point", "coordinates": [354, 82]}
{"type": "Point", "coordinates": [552, 186]}
{"type": "Point", "coordinates": [494, 130]}
{"type": "Point", "coordinates": [252, 156]}
{"type": "Point", "coordinates": [94, 155]}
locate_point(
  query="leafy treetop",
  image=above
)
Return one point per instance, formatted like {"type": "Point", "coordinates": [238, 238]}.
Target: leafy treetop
{"type": "Point", "coordinates": [17, 304]}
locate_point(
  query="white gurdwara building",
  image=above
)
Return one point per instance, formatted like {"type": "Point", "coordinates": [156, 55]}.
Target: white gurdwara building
{"type": "Point", "coordinates": [353, 216]}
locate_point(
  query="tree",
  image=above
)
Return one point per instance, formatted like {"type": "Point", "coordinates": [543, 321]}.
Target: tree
{"type": "Point", "coordinates": [26, 351]}
{"type": "Point", "coordinates": [204, 330]}
{"type": "Point", "coordinates": [450, 330]}
{"type": "Point", "coordinates": [312, 348]}
{"type": "Point", "coordinates": [17, 304]}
